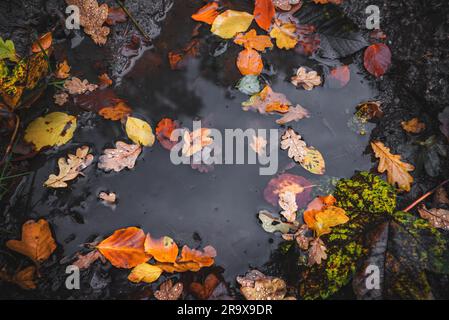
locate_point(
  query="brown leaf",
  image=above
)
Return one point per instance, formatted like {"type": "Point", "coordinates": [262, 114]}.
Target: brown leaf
{"type": "Point", "coordinates": [286, 5]}
{"type": "Point", "coordinates": [438, 218]}
{"type": "Point", "coordinates": [397, 171]}
{"type": "Point", "coordinates": [44, 42]}
{"type": "Point", "coordinates": [61, 98]}
{"type": "Point", "coordinates": [119, 111]}
{"type": "Point", "coordinates": [300, 186]}
{"type": "Point", "coordinates": [110, 197]}
{"type": "Point", "coordinates": [168, 291]}
{"type": "Point", "coordinates": [413, 126]}
{"type": "Point", "coordinates": [124, 156]}
{"type": "Point", "coordinates": [440, 197]}
{"type": "Point", "coordinates": [116, 15]}
{"type": "Point", "coordinates": [105, 81]}
{"type": "Point", "coordinates": [62, 70]}
{"type": "Point", "coordinates": [204, 290]}
{"type": "Point", "coordinates": [37, 242]}
{"type": "Point", "coordinates": [125, 248]}
{"type": "Point", "coordinates": [257, 286]}
{"type": "Point", "coordinates": [287, 201]}
{"type": "Point", "coordinates": [84, 261]}
{"type": "Point", "coordinates": [294, 114]}
{"type": "Point", "coordinates": [78, 86]}
{"type": "Point", "coordinates": [317, 252]}
{"type": "Point", "coordinates": [307, 80]}
{"type": "Point", "coordinates": [25, 278]}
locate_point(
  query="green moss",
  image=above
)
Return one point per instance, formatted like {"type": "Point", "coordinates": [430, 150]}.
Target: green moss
{"type": "Point", "coordinates": [9, 80]}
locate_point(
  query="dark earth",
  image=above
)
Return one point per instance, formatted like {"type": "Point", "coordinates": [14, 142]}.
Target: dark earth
{"type": "Point", "coordinates": [218, 208]}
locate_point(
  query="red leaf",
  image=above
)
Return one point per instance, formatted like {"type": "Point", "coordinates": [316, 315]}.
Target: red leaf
{"type": "Point", "coordinates": [377, 59]}
{"type": "Point", "coordinates": [264, 13]}
{"type": "Point", "coordinates": [164, 130]}
{"type": "Point", "coordinates": [339, 77]}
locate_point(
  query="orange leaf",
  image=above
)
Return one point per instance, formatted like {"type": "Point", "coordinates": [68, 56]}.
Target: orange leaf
{"type": "Point", "coordinates": [125, 248]}
{"type": "Point", "coordinates": [264, 13]}
{"type": "Point", "coordinates": [207, 13]}
{"type": "Point", "coordinates": [163, 249]}
{"type": "Point", "coordinates": [105, 81]}
{"type": "Point", "coordinates": [413, 126]}
{"type": "Point", "coordinates": [117, 112]}
{"type": "Point", "coordinates": [321, 221]}
{"type": "Point", "coordinates": [45, 42]}
{"type": "Point", "coordinates": [251, 40]}
{"type": "Point", "coordinates": [63, 70]}
{"type": "Point", "coordinates": [116, 15]}
{"type": "Point", "coordinates": [37, 242]}
{"type": "Point", "coordinates": [179, 266]}
{"type": "Point", "coordinates": [204, 258]}
{"type": "Point", "coordinates": [267, 101]}
{"type": "Point", "coordinates": [164, 130]}
{"type": "Point", "coordinates": [249, 62]}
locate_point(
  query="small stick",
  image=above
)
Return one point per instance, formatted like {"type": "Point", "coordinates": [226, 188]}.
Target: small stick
{"type": "Point", "coordinates": [136, 24]}
{"type": "Point", "coordinates": [424, 196]}
{"type": "Point", "coordinates": [11, 142]}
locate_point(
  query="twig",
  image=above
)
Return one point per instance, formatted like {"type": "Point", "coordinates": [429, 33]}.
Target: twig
{"type": "Point", "coordinates": [134, 21]}
{"type": "Point", "coordinates": [424, 196]}
{"type": "Point", "coordinates": [11, 141]}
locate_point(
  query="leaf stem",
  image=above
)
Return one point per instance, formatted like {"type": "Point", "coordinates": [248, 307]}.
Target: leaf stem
{"type": "Point", "coordinates": [424, 196]}
{"type": "Point", "coordinates": [134, 21]}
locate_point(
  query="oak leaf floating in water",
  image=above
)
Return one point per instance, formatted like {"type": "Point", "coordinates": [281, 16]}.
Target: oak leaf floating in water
{"type": "Point", "coordinates": [62, 70]}
{"type": "Point", "coordinates": [413, 125]}
{"type": "Point", "coordinates": [438, 218]}
{"type": "Point", "coordinates": [206, 13]}
{"type": "Point", "coordinates": [169, 291]}
{"type": "Point", "coordinates": [125, 248]}
{"type": "Point", "coordinates": [249, 62]}
{"type": "Point", "coordinates": [139, 131]}
{"type": "Point", "coordinates": [264, 13]}
{"type": "Point", "coordinates": [37, 242]}
{"type": "Point", "coordinates": [307, 80]}
{"type": "Point", "coordinates": [124, 156]}
{"type": "Point", "coordinates": [53, 129]}
{"type": "Point", "coordinates": [267, 101]}
{"type": "Point", "coordinates": [317, 252]}
{"type": "Point", "coordinates": [257, 286]}
{"type": "Point", "coordinates": [145, 273]}
{"type": "Point", "coordinates": [285, 35]}
{"type": "Point", "coordinates": [293, 114]}
{"type": "Point", "coordinates": [258, 144]}
{"type": "Point", "coordinates": [377, 59]}
{"type": "Point", "coordinates": [397, 171]}
{"type": "Point", "coordinates": [163, 249]}
{"type": "Point", "coordinates": [287, 201]}
{"type": "Point", "coordinates": [229, 23]}
{"type": "Point", "coordinates": [321, 221]}
{"type": "Point", "coordinates": [71, 168]}
{"type": "Point", "coordinates": [78, 86]}
{"type": "Point", "coordinates": [195, 141]}
{"type": "Point", "coordinates": [250, 40]}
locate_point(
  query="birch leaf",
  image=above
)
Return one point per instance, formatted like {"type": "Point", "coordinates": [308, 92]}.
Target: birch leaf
{"type": "Point", "coordinates": [145, 273]}
{"type": "Point", "coordinates": [285, 35]}
{"type": "Point", "coordinates": [231, 22]}
{"type": "Point", "coordinates": [139, 132]}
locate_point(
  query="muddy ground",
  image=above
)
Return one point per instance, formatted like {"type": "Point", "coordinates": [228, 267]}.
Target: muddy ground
{"type": "Point", "coordinates": [417, 85]}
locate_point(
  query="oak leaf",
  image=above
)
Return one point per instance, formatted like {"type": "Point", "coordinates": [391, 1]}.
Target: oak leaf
{"type": "Point", "coordinates": [163, 249]}
{"type": "Point", "coordinates": [168, 291]}
{"type": "Point", "coordinates": [438, 218]}
{"type": "Point", "coordinates": [413, 126]}
{"type": "Point", "coordinates": [124, 156]}
{"type": "Point", "coordinates": [294, 114]}
{"type": "Point", "coordinates": [61, 98]}
{"type": "Point", "coordinates": [145, 272]}
{"type": "Point", "coordinates": [287, 201]}
{"type": "Point", "coordinates": [267, 101]}
{"type": "Point", "coordinates": [285, 35]}
{"type": "Point", "coordinates": [257, 286]}
{"type": "Point", "coordinates": [397, 171]}
{"type": "Point", "coordinates": [125, 248]}
{"type": "Point", "coordinates": [206, 13]}
{"type": "Point", "coordinates": [37, 242]}
{"type": "Point", "coordinates": [317, 252]}
{"type": "Point", "coordinates": [258, 144]}
{"type": "Point", "coordinates": [264, 13]}
{"type": "Point", "coordinates": [71, 168]}
{"type": "Point", "coordinates": [139, 131]}
{"type": "Point", "coordinates": [321, 221]}
{"type": "Point", "coordinates": [249, 62]}
{"type": "Point", "coordinates": [307, 80]}
{"type": "Point", "coordinates": [116, 112]}
{"type": "Point", "coordinates": [78, 86]}
{"type": "Point", "coordinates": [250, 40]}
{"type": "Point", "coordinates": [195, 141]}
{"type": "Point", "coordinates": [229, 23]}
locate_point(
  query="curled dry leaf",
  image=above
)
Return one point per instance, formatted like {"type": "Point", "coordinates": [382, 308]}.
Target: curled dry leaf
{"type": "Point", "coordinates": [62, 70]}
{"type": "Point", "coordinates": [71, 168]}
{"type": "Point", "coordinates": [285, 35]}
{"type": "Point", "coordinates": [53, 129]}
{"type": "Point", "coordinates": [92, 18]}
{"type": "Point", "coordinates": [204, 290]}
{"type": "Point", "coordinates": [145, 273]}
{"type": "Point", "coordinates": [294, 114]}
{"type": "Point", "coordinates": [37, 243]}
{"type": "Point", "coordinates": [307, 80]}
{"type": "Point", "coordinates": [287, 201]}
{"type": "Point", "coordinates": [168, 291]}
{"type": "Point", "coordinates": [163, 249]}
{"type": "Point", "coordinates": [125, 248]}
{"type": "Point", "coordinates": [264, 13]}
{"type": "Point", "coordinates": [110, 197]}
{"type": "Point", "coordinates": [139, 131]}
{"type": "Point", "coordinates": [61, 98]}
{"type": "Point", "coordinates": [250, 40]}
{"type": "Point", "coordinates": [258, 144]}
{"type": "Point", "coordinates": [438, 218]}
{"type": "Point", "coordinates": [249, 62]}
{"type": "Point", "coordinates": [267, 101]}
{"type": "Point", "coordinates": [377, 59]}
{"type": "Point", "coordinates": [119, 111]}
{"type": "Point", "coordinates": [227, 24]}
{"type": "Point", "coordinates": [413, 126]}
{"type": "Point", "coordinates": [123, 156]}
{"type": "Point", "coordinates": [397, 171]}
{"type": "Point", "coordinates": [164, 130]}
{"type": "Point", "coordinates": [78, 86]}
{"type": "Point", "coordinates": [317, 252]}
{"type": "Point", "coordinates": [206, 13]}
{"type": "Point", "coordinates": [257, 286]}
{"type": "Point", "coordinates": [85, 261]}
{"type": "Point", "coordinates": [321, 221]}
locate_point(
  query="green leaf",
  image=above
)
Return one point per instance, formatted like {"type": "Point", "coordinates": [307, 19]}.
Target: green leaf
{"type": "Point", "coordinates": [272, 224]}
{"type": "Point", "coordinates": [7, 50]}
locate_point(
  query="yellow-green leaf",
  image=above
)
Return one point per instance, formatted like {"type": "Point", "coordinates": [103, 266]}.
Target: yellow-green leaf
{"type": "Point", "coordinates": [231, 22]}
{"type": "Point", "coordinates": [7, 50]}
{"type": "Point", "coordinates": [53, 129]}
{"type": "Point", "coordinates": [139, 132]}
{"type": "Point", "coordinates": [313, 161]}
{"type": "Point", "coordinates": [145, 272]}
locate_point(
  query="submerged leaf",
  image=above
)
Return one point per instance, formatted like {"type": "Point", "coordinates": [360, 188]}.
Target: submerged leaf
{"type": "Point", "coordinates": [300, 186]}
{"type": "Point", "coordinates": [168, 291]}
{"type": "Point", "coordinates": [294, 114]}
{"type": "Point", "coordinates": [267, 101]}
{"type": "Point", "coordinates": [249, 85]}
{"type": "Point", "coordinates": [438, 218]}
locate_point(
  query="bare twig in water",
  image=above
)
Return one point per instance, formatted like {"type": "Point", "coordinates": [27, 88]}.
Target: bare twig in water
{"type": "Point", "coordinates": [424, 196]}
{"type": "Point", "coordinates": [136, 24]}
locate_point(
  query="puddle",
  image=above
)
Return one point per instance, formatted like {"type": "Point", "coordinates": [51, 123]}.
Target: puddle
{"type": "Point", "coordinates": [218, 208]}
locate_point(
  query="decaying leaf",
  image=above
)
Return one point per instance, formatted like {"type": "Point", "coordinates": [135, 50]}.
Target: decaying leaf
{"type": "Point", "coordinates": [249, 85]}
{"type": "Point", "coordinates": [78, 86]}
{"type": "Point", "coordinates": [24, 278]}
{"type": "Point", "coordinates": [227, 24]}
{"type": "Point", "coordinates": [413, 126]}
{"type": "Point", "coordinates": [163, 249]}
{"type": "Point", "coordinates": [204, 290]}
{"type": "Point", "coordinates": [61, 98]}
{"type": "Point", "coordinates": [264, 13]}
{"type": "Point", "coordinates": [438, 218]}
{"type": "Point", "coordinates": [307, 80]}
{"type": "Point", "coordinates": [206, 13]}
{"type": "Point", "coordinates": [317, 252]}
{"type": "Point", "coordinates": [286, 5]}
{"type": "Point", "coordinates": [287, 201]}
{"type": "Point", "coordinates": [258, 144]}
{"type": "Point", "coordinates": [53, 129]}
{"type": "Point", "coordinates": [285, 35]}
{"type": "Point", "coordinates": [104, 80]}
{"type": "Point", "coordinates": [145, 273]}
{"type": "Point", "coordinates": [139, 131]}
{"type": "Point", "coordinates": [125, 249]}
{"type": "Point", "coordinates": [164, 129]}
{"type": "Point", "coordinates": [377, 59]}
{"type": "Point", "coordinates": [313, 161]}
{"type": "Point", "coordinates": [249, 62]}
{"type": "Point", "coordinates": [116, 15]}
{"type": "Point", "coordinates": [62, 70]}
{"type": "Point", "coordinates": [321, 221]}
{"type": "Point", "coordinates": [338, 77]}
{"type": "Point", "coordinates": [267, 101]}
{"type": "Point", "coordinates": [123, 156]}
{"type": "Point", "coordinates": [288, 182]}
{"type": "Point", "coordinates": [110, 197]}
{"type": "Point", "coordinates": [92, 18]}
{"type": "Point", "coordinates": [7, 50]}
{"type": "Point", "coordinates": [257, 286]}
{"type": "Point", "coordinates": [84, 261]}
{"type": "Point", "coordinates": [293, 142]}
{"type": "Point", "coordinates": [370, 110]}
{"type": "Point", "coordinates": [195, 141]}
{"type": "Point", "coordinates": [116, 112]}
{"type": "Point", "coordinates": [250, 40]}
{"type": "Point", "coordinates": [272, 224]}
{"type": "Point", "coordinates": [44, 42]}
{"type": "Point", "coordinates": [294, 114]}
{"type": "Point", "coordinates": [301, 237]}
{"type": "Point", "coordinates": [397, 171]}
{"type": "Point", "coordinates": [71, 168]}
{"type": "Point", "coordinates": [168, 291]}
{"type": "Point", "coordinates": [37, 242]}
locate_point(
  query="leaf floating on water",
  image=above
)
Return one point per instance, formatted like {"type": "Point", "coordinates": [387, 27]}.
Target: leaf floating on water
{"type": "Point", "coordinates": [287, 201]}
{"type": "Point", "coordinates": [104, 80]}
{"type": "Point", "coordinates": [264, 13]}
{"type": "Point", "coordinates": [272, 224]}
{"type": "Point", "coordinates": [377, 59]}
{"type": "Point", "coordinates": [267, 101]}
{"type": "Point", "coordinates": [204, 290]}
{"type": "Point", "coordinates": [413, 126]}
{"type": "Point", "coordinates": [231, 22]}
{"type": "Point", "coordinates": [258, 144]}
{"type": "Point", "coordinates": [71, 168]}
{"type": "Point", "coordinates": [168, 291]}
{"type": "Point", "coordinates": [110, 197]}
{"type": "Point", "coordinates": [249, 85]}
{"type": "Point", "coordinates": [249, 62]}
{"type": "Point", "coordinates": [44, 42]}
{"type": "Point", "coordinates": [145, 273]}
{"type": "Point", "coordinates": [321, 221]}
{"type": "Point", "coordinates": [78, 86]}
{"type": "Point", "coordinates": [53, 129]}
{"type": "Point", "coordinates": [250, 40]}
{"type": "Point", "coordinates": [206, 13]}
{"type": "Point", "coordinates": [286, 5]}
{"type": "Point", "coordinates": [116, 112]}
{"type": "Point", "coordinates": [164, 130]}
{"type": "Point", "coordinates": [300, 186]}
{"type": "Point", "coordinates": [397, 171]}
{"type": "Point", "coordinates": [438, 218]}
{"type": "Point", "coordinates": [317, 252]}
{"type": "Point", "coordinates": [327, 1]}
{"type": "Point", "coordinates": [163, 249]}
{"type": "Point", "coordinates": [139, 132]}
{"type": "Point", "coordinates": [307, 80]}
{"type": "Point", "coordinates": [124, 156]}
{"type": "Point", "coordinates": [195, 141]}
{"type": "Point", "coordinates": [61, 98]}
{"type": "Point", "coordinates": [285, 35]}
{"type": "Point", "coordinates": [294, 114]}
{"type": "Point", "coordinates": [37, 242]}
{"type": "Point", "coordinates": [339, 77]}
{"type": "Point", "coordinates": [257, 286]}
{"type": "Point", "coordinates": [313, 161]}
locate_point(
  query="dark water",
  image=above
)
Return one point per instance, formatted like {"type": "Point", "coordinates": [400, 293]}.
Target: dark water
{"type": "Point", "coordinates": [217, 208]}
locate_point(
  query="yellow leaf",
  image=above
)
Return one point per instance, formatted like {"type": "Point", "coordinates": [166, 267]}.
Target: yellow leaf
{"type": "Point", "coordinates": [313, 161]}
{"type": "Point", "coordinates": [54, 129]}
{"type": "Point", "coordinates": [139, 132]}
{"type": "Point", "coordinates": [231, 22]}
{"type": "Point", "coordinates": [397, 171]}
{"type": "Point", "coordinates": [145, 272]}
{"type": "Point", "coordinates": [321, 221]}
{"type": "Point", "coordinates": [285, 35]}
